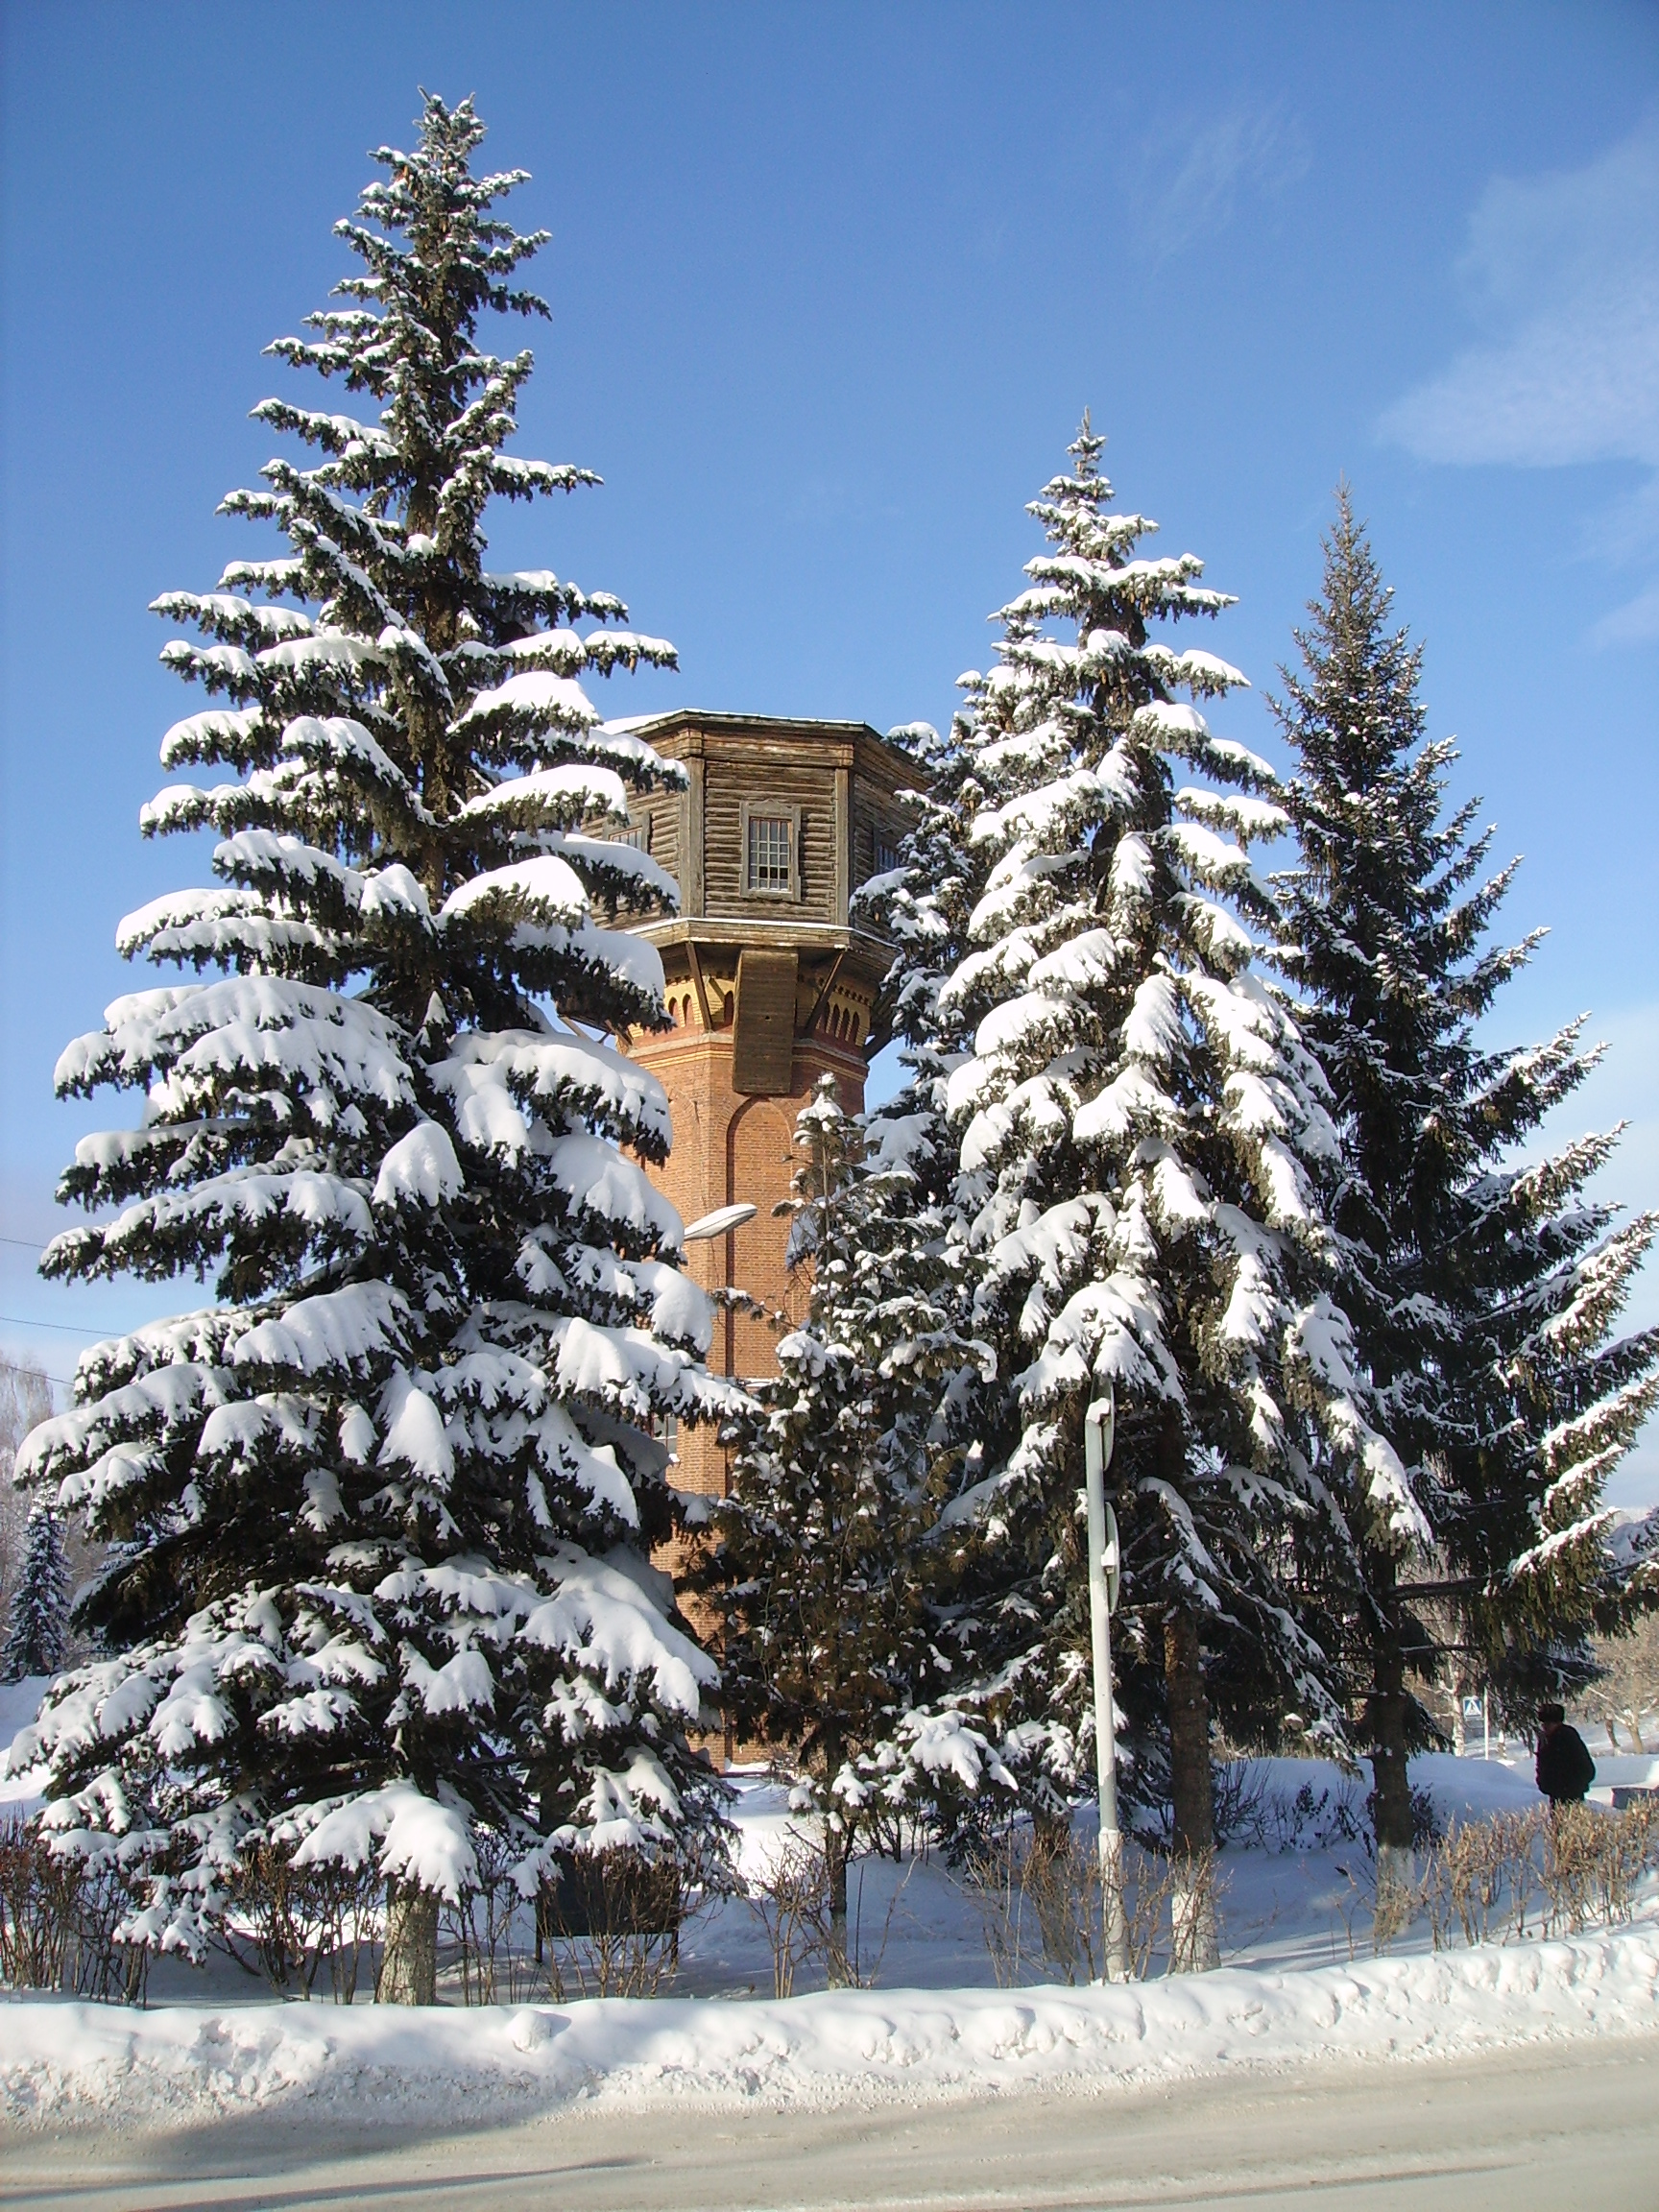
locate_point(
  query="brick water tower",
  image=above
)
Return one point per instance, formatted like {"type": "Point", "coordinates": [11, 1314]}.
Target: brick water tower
{"type": "Point", "coordinates": [769, 985]}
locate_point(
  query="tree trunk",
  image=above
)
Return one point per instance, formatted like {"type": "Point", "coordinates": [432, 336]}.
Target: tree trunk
{"type": "Point", "coordinates": [1194, 1945]}
{"type": "Point", "coordinates": [1390, 1781]}
{"type": "Point", "coordinates": [838, 1966]}
{"type": "Point", "coordinates": [409, 1964]}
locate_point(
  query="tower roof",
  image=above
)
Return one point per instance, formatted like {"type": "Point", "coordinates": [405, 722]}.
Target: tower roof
{"type": "Point", "coordinates": [862, 735]}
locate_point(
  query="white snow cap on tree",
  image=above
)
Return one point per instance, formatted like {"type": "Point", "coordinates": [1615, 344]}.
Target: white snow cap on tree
{"type": "Point", "coordinates": [382, 1514]}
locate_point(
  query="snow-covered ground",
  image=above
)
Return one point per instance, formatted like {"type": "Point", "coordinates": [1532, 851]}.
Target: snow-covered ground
{"type": "Point", "coordinates": [1298, 1985]}
{"type": "Point", "coordinates": [1292, 1887]}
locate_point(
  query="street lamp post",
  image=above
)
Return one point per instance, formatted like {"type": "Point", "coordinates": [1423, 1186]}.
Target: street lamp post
{"type": "Point", "coordinates": [1105, 1568]}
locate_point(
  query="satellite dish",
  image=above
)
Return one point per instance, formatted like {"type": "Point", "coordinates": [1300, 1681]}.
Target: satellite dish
{"type": "Point", "coordinates": [717, 1223]}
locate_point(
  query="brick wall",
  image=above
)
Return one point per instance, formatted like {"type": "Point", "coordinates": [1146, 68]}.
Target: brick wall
{"type": "Point", "coordinates": [728, 1148]}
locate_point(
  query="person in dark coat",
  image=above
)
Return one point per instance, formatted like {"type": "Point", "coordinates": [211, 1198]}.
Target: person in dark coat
{"type": "Point", "coordinates": [1564, 1768]}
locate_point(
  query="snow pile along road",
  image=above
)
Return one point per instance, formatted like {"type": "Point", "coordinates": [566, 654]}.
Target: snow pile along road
{"type": "Point", "coordinates": [62, 2061]}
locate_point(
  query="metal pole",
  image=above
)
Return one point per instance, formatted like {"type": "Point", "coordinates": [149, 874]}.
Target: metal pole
{"type": "Point", "coordinates": [1104, 1570]}
{"type": "Point", "coordinates": [1486, 1723]}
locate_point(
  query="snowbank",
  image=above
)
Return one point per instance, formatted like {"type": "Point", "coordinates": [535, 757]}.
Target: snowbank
{"type": "Point", "coordinates": [1623, 1771]}
{"type": "Point", "coordinates": [66, 2061]}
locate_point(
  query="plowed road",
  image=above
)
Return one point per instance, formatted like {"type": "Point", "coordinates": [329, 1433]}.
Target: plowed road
{"type": "Point", "coordinates": [1571, 2130]}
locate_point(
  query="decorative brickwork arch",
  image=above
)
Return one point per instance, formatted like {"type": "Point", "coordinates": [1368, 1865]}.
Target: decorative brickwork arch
{"type": "Point", "coordinates": [760, 1147]}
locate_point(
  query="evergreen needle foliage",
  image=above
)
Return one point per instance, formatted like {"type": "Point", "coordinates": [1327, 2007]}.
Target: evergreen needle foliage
{"type": "Point", "coordinates": [382, 1512]}
{"type": "Point", "coordinates": [1483, 1289]}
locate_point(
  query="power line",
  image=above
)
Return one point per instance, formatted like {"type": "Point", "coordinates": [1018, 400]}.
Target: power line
{"type": "Point", "coordinates": [64, 1328]}
{"type": "Point", "coordinates": [8, 1366]}
{"type": "Point", "coordinates": [23, 1243]}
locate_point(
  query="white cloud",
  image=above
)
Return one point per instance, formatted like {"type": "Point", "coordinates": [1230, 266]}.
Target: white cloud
{"type": "Point", "coordinates": [1636, 623]}
{"type": "Point", "coordinates": [1564, 271]}
{"type": "Point", "coordinates": [1195, 175]}
{"type": "Point", "coordinates": [1561, 274]}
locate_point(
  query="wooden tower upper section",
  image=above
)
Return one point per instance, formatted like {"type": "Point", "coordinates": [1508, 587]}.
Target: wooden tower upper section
{"type": "Point", "coordinates": [769, 983]}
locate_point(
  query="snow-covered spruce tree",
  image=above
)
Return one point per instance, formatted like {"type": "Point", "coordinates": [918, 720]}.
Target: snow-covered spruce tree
{"type": "Point", "coordinates": [1142, 1134]}
{"type": "Point", "coordinates": [815, 1572]}
{"type": "Point", "coordinates": [936, 1764]}
{"type": "Point", "coordinates": [25, 1400]}
{"type": "Point", "coordinates": [37, 1625]}
{"type": "Point", "coordinates": [924, 903]}
{"type": "Point", "coordinates": [1483, 1288]}
{"type": "Point", "coordinates": [383, 1512]}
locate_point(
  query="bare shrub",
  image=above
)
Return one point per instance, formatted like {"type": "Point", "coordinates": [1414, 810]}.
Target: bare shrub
{"type": "Point", "coordinates": [38, 1896]}
{"type": "Point", "coordinates": [60, 1917]}
{"type": "Point", "coordinates": [1553, 1869]}
{"type": "Point", "coordinates": [297, 1919]}
{"type": "Point", "coordinates": [265, 1893]}
{"type": "Point", "coordinates": [1396, 1901]}
{"type": "Point", "coordinates": [349, 1906]}
{"type": "Point", "coordinates": [1194, 1883]}
{"type": "Point", "coordinates": [479, 1927]}
{"type": "Point", "coordinates": [605, 1924]}
{"type": "Point", "coordinates": [792, 1899]}
{"type": "Point", "coordinates": [1591, 1863]}
{"type": "Point", "coordinates": [1039, 1896]}
{"type": "Point", "coordinates": [1062, 1883]}
{"type": "Point", "coordinates": [1481, 1878]}
{"type": "Point", "coordinates": [1631, 1850]}
{"type": "Point", "coordinates": [1240, 1800]}
{"type": "Point", "coordinates": [991, 1878]}
{"type": "Point", "coordinates": [1312, 1818]}
{"type": "Point", "coordinates": [611, 1963]}
{"type": "Point", "coordinates": [610, 1925]}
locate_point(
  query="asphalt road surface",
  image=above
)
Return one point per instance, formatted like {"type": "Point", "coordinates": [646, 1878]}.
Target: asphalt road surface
{"type": "Point", "coordinates": [1569, 2129]}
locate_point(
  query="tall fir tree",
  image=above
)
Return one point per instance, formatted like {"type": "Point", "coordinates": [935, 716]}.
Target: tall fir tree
{"type": "Point", "coordinates": [817, 1571]}
{"type": "Point", "coordinates": [1483, 1287]}
{"type": "Point", "coordinates": [924, 903]}
{"type": "Point", "coordinates": [940, 1760]}
{"type": "Point", "coordinates": [25, 1400]}
{"type": "Point", "coordinates": [37, 1625]}
{"type": "Point", "coordinates": [923, 906]}
{"type": "Point", "coordinates": [1142, 1136]}
{"type": "Point", "coordinates": [383, 1513]}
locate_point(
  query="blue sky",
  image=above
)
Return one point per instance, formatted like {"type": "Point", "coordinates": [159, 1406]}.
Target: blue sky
{"type": "Point", "coordinates": [831, 287]}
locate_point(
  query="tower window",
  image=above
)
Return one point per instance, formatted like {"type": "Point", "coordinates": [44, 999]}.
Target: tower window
{"type": "Point", "coordinates": [769, 850]}
{"type": "Point", "coordinates": [768, 853]}
{"type": "Point", "coordinates": [886, 856]}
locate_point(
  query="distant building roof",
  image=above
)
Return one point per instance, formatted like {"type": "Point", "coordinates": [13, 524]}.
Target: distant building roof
{"type": "Point", "coordinates": [805, 724]}
{"type": "Point", "coordinates": [798, 726]}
